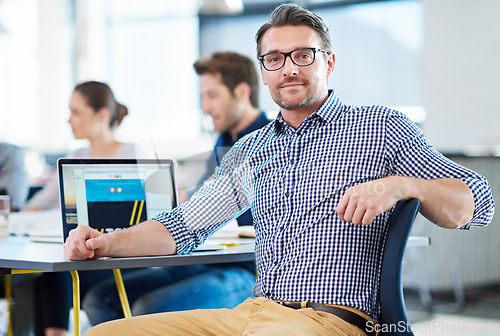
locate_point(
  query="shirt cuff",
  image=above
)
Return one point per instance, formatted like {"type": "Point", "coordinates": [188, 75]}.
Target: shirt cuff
{"type": "Point", "coordinates": [484, 206]}
{"type": "Point", "coordinates": [174, 223]}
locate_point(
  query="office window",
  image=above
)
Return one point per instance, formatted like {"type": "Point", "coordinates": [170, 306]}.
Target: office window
{"type": "Point", "coordinates": [36, 65]}
{"type": "Point", "coordinates": [18, 71]}
{"type": "Point", "coordinates": [144, 52]}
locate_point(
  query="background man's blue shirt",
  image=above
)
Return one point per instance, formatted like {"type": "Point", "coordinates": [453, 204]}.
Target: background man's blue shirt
{"type": "Point", "coordinates": [222, 146]}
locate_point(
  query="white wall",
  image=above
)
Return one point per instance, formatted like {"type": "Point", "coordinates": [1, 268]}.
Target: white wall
{"type": "Point", "coordinates": [461, 72]}
{"type": "Point", "coordinates": [377, 48]}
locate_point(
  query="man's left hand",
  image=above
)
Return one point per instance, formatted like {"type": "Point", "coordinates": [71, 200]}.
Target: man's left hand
{"type": "Point", "coordinates": [363, 202]}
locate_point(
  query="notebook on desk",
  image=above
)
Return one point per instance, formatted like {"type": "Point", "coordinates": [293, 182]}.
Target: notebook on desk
{"type": "Point", "coordinates": [113, 194]}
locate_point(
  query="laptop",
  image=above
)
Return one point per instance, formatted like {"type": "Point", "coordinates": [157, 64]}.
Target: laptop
{"type": "Point", "coordinates": [113, 194]}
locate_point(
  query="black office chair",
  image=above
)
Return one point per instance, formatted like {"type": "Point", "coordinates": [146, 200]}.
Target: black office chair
{"type": "Point", "coordinates": [393, 318]}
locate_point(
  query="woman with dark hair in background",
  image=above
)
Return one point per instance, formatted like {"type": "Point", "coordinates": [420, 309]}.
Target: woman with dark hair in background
{"type": "Point", "coordinates": [95, 114]}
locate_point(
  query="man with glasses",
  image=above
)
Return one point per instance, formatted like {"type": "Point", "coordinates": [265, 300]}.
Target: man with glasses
{"type": "Point", "coordinates": [321, 181]}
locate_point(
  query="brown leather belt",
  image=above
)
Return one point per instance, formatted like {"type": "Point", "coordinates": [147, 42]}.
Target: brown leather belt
{"type": "Point", "coordinates": [346, 315]}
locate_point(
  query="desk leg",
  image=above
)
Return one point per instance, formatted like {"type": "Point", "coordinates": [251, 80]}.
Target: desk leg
{"type": "Point", "coordinates": [122, 293]}
{"type": "Point", "coordinates": [76, 301]}
{"type": "Point", "coordinates": [8, 298]}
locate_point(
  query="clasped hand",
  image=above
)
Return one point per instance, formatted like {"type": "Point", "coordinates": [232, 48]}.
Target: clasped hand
{"type": "Point", "coordinates": [85, 242]}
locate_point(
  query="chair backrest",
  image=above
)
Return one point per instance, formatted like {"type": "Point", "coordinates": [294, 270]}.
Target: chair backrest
{"type": "Point", "coordinates": [393, 318]}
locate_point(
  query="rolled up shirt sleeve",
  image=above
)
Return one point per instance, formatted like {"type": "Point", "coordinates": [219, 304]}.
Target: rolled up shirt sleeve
{"type": "Point", "coordinates": [411, 154]}
{"type": "Point", "coordinates": [211, 207]}
{"type": "Point", "coordinates": [484, 206]}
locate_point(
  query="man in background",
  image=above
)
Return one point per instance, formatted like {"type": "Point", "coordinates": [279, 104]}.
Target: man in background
{"type": "Point", "coordinates": [229, 95]}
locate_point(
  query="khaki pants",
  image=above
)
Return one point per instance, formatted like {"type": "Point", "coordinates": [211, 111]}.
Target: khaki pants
{"type": "Point", "coordinates": [255, 316]}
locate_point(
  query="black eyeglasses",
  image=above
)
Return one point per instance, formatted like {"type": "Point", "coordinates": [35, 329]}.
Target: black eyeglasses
{"type": "Point", "coordinates": [301, 57]}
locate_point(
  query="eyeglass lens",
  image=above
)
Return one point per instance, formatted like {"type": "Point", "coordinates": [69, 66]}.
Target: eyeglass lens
{"type": "Point", "coordinates": [301, 57]}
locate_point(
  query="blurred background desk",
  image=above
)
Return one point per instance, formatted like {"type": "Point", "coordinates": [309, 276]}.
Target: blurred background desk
{"type": "Point", "coordinates": [458, 262]}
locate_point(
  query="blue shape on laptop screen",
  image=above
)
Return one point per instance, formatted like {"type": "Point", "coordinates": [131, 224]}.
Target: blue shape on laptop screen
{"type": "Point", "coordinates": [114, 190]}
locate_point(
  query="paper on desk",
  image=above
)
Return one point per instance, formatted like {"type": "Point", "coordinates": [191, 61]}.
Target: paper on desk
{"type": "Point", "coordinates": [36, 223]}
{"type": "Point", "coordinates": [232, 230]}
{"type": "Point", "coordinates": [247, 231]}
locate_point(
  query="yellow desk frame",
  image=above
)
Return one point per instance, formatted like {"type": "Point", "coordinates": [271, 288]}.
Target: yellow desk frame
{"type": "Point", "coordinates": [18, 255]}
{"type": "Point", "coordinates": [76, 296]}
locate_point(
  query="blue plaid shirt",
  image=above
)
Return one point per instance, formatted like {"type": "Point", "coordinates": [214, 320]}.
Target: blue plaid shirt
{"type": "Point", "coordinates": [292, 179]}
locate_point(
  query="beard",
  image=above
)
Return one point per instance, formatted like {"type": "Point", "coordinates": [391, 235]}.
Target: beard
{"type": "Point", "coordinates": [291, 104]}
{"type": "Point", "coordinates": [283, 104]}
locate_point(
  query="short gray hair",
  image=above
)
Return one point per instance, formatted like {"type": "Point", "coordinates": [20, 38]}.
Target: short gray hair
{"type": "Point", "coordinates": [294, 15]}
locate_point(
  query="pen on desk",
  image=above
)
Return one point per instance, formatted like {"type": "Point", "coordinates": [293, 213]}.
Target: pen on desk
{"type": "Point", "coordinates": [230, 244]}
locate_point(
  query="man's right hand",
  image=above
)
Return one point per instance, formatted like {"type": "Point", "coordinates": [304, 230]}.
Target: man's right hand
{"type": "Point", "coordinates": [85, 242]}
{"type": "Point", "coordinates": [148, 238]}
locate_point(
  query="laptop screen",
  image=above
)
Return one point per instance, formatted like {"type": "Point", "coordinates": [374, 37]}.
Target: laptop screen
{"type": "Point", "coordinates": [111, 194]}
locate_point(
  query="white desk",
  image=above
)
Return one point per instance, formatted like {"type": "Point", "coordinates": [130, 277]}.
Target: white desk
{"type": "Point", "coordinates": [19, 255]}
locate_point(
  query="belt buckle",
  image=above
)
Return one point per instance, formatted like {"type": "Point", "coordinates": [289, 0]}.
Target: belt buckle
{"type": "Point", "coordinates": [283, 303]}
